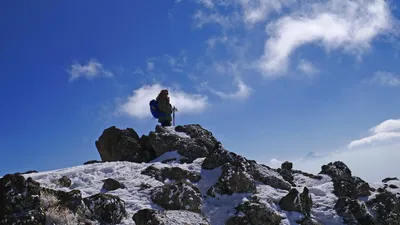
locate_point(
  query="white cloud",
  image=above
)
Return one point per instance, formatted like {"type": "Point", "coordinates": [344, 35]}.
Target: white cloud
{"type": "Point", "coordinates": [150, 65]}
{"type": "Point", "coordinates": [91, 70]}
{"type": "Point", "coordinates": [385, 131]}
{"type": "Point", "coordinates": [259, 10]}
{"type": "Point", "coordinates": [137, 105]}
{"type": "Point", "coordinates": [242, 92]}
{"type": "Point", "coordinates": [138, 71]}
{"type": "Point", "coordinates": [176, 63]}
{"type": "Point", "coordinates": [202, 18]}
{"type": "Point", "coordinates": [307, 67]}
{"type": "Point", "coordinates": [336, 24]}
{"type": "Point", "coordinates": [386, 78]}
{"type": "Point", "coordinates": [207, 3]}
{"type": "Point", "coordinates": [387, 126]}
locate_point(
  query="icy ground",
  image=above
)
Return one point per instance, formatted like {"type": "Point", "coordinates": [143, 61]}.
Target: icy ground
{"type": "Point", "coordinates": [88, 179]}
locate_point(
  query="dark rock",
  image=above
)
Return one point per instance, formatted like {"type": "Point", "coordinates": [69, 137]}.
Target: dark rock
{"type": "Point", "coordinates": [294, 201]}
{"type": "Point", "coordinates": [111, 184]}
{"type": "Point", "coordinates": [148, 151]}
{"type": "Point", "coordinates": [386, 207]}
{"type": "Point", "coordinates": [389, 179]}
{"type": "Point", "coordinates": [106, 208]}
{"type": "Point", "coordinates": [336, 170]}
{"type": "Point", "coordinates": [168, 217]}
{"type": "Point", "coordinates": [345, 185]}
{"type": "Point", "coordinates": [145, 217]}
{"type": "Point", "coordinates": [255, 213]}
{"type": "Point", "coordinates": [393, 186]}
{"type": "Point", "coordinates": [287, 165]}
{"type": "Point", "coordinates": [144, 186]}
{"type": "Point", "coordinates": [178, 196]}
{"type": "Point", "coordinates": [381, 190]}
{"type": "Point", "coordinates": [163, 140]}
{"type": "Point", "coordinates": [28, 172]}
{"type": "Point", "coordinates": [196, 131]}
{"type": "Point", "coordinates": [64, 181]}
{"type": "Point", "coordinates": [220, 156]}
{"type": "Point", "coordinates": [233, 180]}
{"type": "Point", "coordinates": [353, 211]}
{"type": "Point", "coordinates": [287, 175]}
{"type": "Point", "coordinates": [121, 145]}
{"type": "Point", "coordinates": [268, 176]}
{"type": "Point", "coordinates": [92, 162]}
{"type": "Point", "coordinates": [20, 201]}
{"type": "Point", "coordinates": [71, 200]}
{"type": "Point", "coordinates": [171, 173]}
{"type": "Point", "coordinates": [316, 177]}
{"type": "Point", "coordinates": [362, 187]}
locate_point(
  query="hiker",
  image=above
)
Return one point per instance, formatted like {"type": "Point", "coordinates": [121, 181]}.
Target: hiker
{"type": "Point", "coordinates": [165, 108]}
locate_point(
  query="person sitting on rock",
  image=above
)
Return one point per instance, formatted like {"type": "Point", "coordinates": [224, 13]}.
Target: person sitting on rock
{"type": "Point", "coordinates": [165, 108]}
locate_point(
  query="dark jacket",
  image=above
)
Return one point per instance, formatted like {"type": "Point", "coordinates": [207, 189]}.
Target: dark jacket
{"type": "Point", "coordinates": [165, 110]}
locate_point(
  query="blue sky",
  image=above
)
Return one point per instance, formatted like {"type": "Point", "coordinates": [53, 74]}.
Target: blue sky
{"type": "Point", "coordinates": [273, 80]}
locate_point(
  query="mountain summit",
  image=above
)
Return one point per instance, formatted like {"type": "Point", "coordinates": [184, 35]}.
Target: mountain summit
{"type": "Point", "coordinates": [184, 175]}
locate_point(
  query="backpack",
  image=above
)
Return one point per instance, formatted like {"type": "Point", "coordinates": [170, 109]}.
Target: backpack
{"type": "Point", "coordinates": [154, 108]}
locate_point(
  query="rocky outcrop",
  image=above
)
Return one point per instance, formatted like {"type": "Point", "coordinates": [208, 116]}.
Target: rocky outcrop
{"type": "Point", "coordinates": [254, 213]}
{"type": "Point", "coordinates": [168, 217]}
{"type": "Point", "coordinates": [123, 145]}
{"type": "Point", "coordinates": [268, 176]}
{"type": "Point", "coordinates": [345, 185]}
{"type": "Point", "coordinates": [286, 172]}
{"type": "Point", "coordinates": [191, 141]}
{"type": "Point", "coordinates": [389, 179]}
{"type": "Point", "coordinates": [20, 201]}
{"type": "Point", "coordinates": [294, 201]}
{"type": "Point", "coordinates": [105, 208]}
{"type": "Point", "coordinates": [353, 211]}
{"type": "Point", "coordinates": [171, 173]}
{"type": "Point", "coordinates": [178, 196]}
{"type": "Point", "coordinates": [386, 207]}
{"type": "Point", "coordinates": [226, 177]}
{"type": "Point", "coordinates": [233, 180]}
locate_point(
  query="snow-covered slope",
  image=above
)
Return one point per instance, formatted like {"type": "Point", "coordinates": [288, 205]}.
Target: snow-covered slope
{"type": "Point", "coordinates": [189, 178]}
{"type": "Point", "coordinates": [88, 179]}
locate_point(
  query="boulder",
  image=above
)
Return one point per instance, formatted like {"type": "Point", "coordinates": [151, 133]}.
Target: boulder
{"type": "Point", "coordinates": [233, 180]}
{"type": "Point", "coordinates": [111, 184]}
{"type": "Point", "coordinates": [178, 196]}
{"type": "Point", "coordinates": [64, 181]}
{"type": "Point", "coordinates": [294, 201]}
{"type": "Point", "coordinates": [164, 139]}
{"type": "Point", "coordinates": [336, 170]}
{"type": "Point", "coordinates": [71, 200]}
{"type": "Point", "coordinates": [219, 156]}
{"type": "Point", "coordinates": [254, 213]}
{"type": "Point", "coordinates": [106, 208]}
{"type": "Point", "coordinates": [168, 217]}
{"type": "Point", "coordinates": [20, 200]}
{"type": "Point", "coordinates": [345, 185]}
{"type": "Point", "coordinates": [268, 176]}
{"type": "Point", "coordinates": [122, 145]}
{"type": "Point", "coordinates": [287, 166]}
{"type": "Point", "coordinates": [171, 173]}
